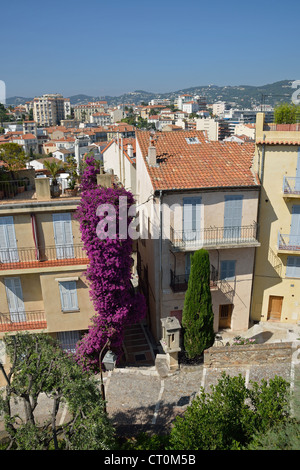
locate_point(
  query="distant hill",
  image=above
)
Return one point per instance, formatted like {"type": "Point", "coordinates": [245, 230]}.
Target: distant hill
{"type": "Point", "coordinates": [241, 96]}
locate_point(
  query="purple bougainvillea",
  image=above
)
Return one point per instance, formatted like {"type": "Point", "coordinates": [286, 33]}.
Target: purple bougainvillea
{"type": "Point", "coordinates": [109, 271]}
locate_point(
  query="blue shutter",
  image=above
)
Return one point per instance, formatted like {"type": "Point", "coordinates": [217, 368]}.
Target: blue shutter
{"type": "Point", "coordinates": [233, 216]}
{"type": "Point", "coordinates": [15, 301]}
{"type": "Point", "coordinates": [68, 296]}
{"type": "Point", "coordinates": [227, 270]}
{"type": "Point", "coordinates": [295, 226]}
{"type": "Point", "coordinates": [191, 218]}
{"type": "Point", "coordinates": [8, 242]}
{"type": "Point", "coordinates": [62, 226]}
{"type": "Point", "coordinates": [293, 266]}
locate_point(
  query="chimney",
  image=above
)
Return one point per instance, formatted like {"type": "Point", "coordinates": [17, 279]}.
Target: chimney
{"type": "Point", "coordinates": [130, 150]}
{"type": "Point", "coordinates": [152, 154]}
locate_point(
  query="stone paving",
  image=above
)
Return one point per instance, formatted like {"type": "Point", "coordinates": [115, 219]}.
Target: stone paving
{"type": "Point", "coordinates": [139, 399]}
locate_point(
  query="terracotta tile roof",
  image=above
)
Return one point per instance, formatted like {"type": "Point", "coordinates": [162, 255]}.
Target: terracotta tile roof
{"type": "Point", "coordinates": [182, 165]}
{"type": "Point", "coordinates": [279, 142]}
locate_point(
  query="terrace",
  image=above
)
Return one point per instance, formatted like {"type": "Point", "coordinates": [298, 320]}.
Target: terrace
{"type": "Point", "coordinates": [214, 237]}
{"type": "Point", "coordinates": [25, 320]}
{"type": "Point", "coordinates": [42, 257]}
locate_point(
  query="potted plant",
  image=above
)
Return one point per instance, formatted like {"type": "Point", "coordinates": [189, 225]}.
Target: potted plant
{"type": "Point", "coordinates": [72, 180]}
{"type": "Point", "coordinates": [54, 168]}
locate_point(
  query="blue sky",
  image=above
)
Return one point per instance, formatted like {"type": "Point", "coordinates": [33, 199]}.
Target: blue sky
{"type": "Point", "coordinates": [101, 47]}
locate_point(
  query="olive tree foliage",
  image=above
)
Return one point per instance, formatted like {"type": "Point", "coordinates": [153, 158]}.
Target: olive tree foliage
{"type": "Point", "coordinates": [40, 368]}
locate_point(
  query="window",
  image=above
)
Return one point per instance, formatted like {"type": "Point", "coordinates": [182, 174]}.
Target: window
{"type": "Point", "coordinates": [192, 140]}
{"type": "Point", "coordinates": [68, 340]}
{"type": "Point", "coordinates": [68, 296]}
{"type": "Point", "coordinates": [293, 266]}
{"type": "Point", "coordinates": [227, 270]}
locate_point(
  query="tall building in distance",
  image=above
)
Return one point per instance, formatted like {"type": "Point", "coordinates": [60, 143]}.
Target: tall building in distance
{"type": "Point", "coordinates": [50, 109]}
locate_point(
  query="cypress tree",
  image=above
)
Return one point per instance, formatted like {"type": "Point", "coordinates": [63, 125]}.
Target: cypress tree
{"type": "Point", "coordinates": [197, 318]}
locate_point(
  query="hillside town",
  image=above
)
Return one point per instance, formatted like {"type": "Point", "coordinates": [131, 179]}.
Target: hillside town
{"type": "Point", "coordinates": [204, 176]}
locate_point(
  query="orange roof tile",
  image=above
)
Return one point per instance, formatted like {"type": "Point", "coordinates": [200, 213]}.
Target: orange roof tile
{"type": "Point", "coordinates": [199, 165]}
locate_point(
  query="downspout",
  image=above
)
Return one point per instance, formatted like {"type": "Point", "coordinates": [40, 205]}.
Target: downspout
{"type": "Point", "coordinates": [158, 314]}
{"type": "Point", "coordinates": [258, 227]}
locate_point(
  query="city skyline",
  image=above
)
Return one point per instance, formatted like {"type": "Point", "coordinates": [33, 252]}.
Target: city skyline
{"type": "Point", "coordinates": [166, 46]}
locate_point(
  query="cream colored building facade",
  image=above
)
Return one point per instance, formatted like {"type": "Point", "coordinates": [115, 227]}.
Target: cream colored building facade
{"type": "Point", "coordinates": [165, 246]}
{"type": "Point", "coordinates": [50, 109]}
{"type": "Point", "coordinates": [277, 265]}
{"type": "Point", "coordinates": [42, 267]}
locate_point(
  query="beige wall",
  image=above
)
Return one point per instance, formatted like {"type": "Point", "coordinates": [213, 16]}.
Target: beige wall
{"type": "Point", "coordinates": [163, 301]}
{"type": "Point", "coordinates": [56, 319]}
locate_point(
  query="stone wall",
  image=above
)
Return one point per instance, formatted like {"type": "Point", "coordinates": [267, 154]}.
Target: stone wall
{"type": "Point", "coordinates": [252, 354]}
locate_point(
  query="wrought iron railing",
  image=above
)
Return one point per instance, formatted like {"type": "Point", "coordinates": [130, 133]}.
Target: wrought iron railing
{"type": "Point", "coordinates": [59, 255]}
{"type": "Point", "coordinates": [179, 282]}
{"type": "Point", "coordinates": [291, 185]}
{"type": "Point", "coordinates": [288, 242]}
{"type": "Point", "coordinates": [22, 320]}
{"type": "Point", "coordinates": [213, 236]}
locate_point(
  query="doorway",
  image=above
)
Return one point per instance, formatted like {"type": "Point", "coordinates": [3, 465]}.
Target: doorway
{"type": "Point", "coordinates": [274, 309]}
{"type": "Point", "coordinates": [225, 313]}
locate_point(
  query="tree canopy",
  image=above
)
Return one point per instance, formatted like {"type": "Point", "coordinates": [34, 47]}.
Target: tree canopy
{"type": "Point", "coordinates": [13, 155]}
{"type": "Point", "coordinates": [40, 368]}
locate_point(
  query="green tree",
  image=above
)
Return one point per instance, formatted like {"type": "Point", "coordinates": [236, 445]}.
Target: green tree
{"type": "Point", "coordinates": [286, 113]}
{"type": "Point", "coordinates": [40, 367]}
{"type": "Point", "coordinates": [197, 317]}
{"type": "Point", "coordinates": [227, 417]}
{"type": "Point", "coordinates": [14, 155]}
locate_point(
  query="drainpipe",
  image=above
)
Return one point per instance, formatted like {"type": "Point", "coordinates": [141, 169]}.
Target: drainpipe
{"type": "Point", "coordinates": [158, 314]}
{"type": "Point", "coordinates": [258, 227]}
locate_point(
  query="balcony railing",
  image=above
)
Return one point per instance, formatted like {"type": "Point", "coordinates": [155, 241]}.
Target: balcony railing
{"type": "Point", "coordinates": [179, 282]}
{"type": "Point", "coordinates": [16, 189]}
{"type": "Point", "coordinates": [291, 185]}
{"type": "Point", "coordinates": [16, 321]}
{"type": "Point", "coordinates": [214, 237]}
{"type": "Point", "coordinates": [60, 255]}
{"type": "Point", "coordinates": [288, 242]}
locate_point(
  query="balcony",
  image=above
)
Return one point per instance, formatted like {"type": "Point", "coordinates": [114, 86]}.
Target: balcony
{"type": "Point", "coordinates": [179, 282]}
{"type": "Point", "coordinates": [18, 321]}
{"type": "Point", "coordinates": [214, 238]}
{"type": "Point", "coordinates": [291, 187]}
{"type": "Point", "coordinates": [41, 257]}
{"type": "Point", "coordinates": [17, 191]}
{"type": "Point", "coordinates": [288, 244]}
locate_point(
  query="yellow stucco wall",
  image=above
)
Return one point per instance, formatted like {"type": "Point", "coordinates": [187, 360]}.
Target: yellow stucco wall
{"type": "Point", "coordinates": [275, 215]}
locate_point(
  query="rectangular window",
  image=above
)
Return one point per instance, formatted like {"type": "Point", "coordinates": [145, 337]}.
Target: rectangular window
{"type": "Point", "coordinates": [233, 216]}
{"type": "Point", "coordinates": [191, 218]}
{"type": "Point", "coordinates": [68, 340]}
{"type": "Point", "coordinates": [227, 270]}
{"type": "Point", "coordinates": [293, 266]}
{"type": "Point", "coordinates": [68, 296]}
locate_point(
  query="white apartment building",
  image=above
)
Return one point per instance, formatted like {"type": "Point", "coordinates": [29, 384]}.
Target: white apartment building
{"type": "Point", "coordinates": [50, 109]}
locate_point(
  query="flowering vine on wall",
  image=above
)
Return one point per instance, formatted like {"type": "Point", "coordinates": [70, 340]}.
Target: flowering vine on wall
{"type": "Point", "coordinates": [109, 271]}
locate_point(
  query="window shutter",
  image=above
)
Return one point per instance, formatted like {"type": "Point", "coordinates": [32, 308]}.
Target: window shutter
{"type": "Point", "coordinates": [8, 242]}
{"type": "Point", "coordinates": [293, 266]}
{"type": "Point", "coordinates": [62, 226]}
{"type": "Point", "coordinates": [68, 295]}
{"type": "Point", "coordinates": [15, 301]}
{"type": "Point", "coordinates": [227, 270]}
{"type": "Point", "coordinates": [295, 226]}
{"type": "Point", "coordinates": [233, 216]}
{"type": "Point", "coordinates": [191, 217]}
